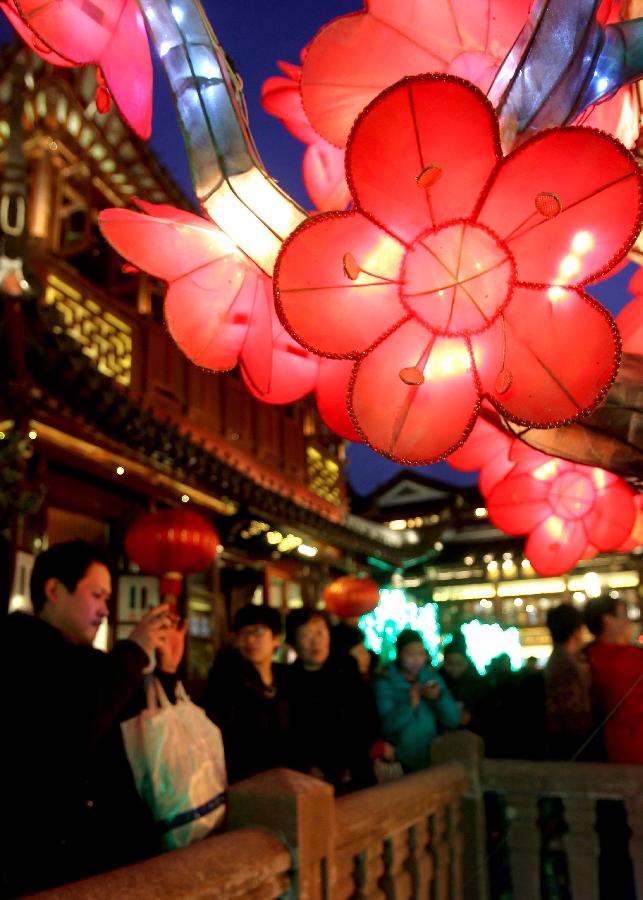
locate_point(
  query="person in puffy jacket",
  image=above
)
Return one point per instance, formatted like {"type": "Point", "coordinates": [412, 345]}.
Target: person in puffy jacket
{"type": "Point", "coordinates": [412, 699]}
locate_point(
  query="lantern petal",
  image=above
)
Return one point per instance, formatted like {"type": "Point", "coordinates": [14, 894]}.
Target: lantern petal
{"type": "Point", "coordinates": [611, 519]}
{"type": "Point", "coordinates": [167, 246]}
{"type": "Point", "coordinates": [564, 223]}
{"type": "Point", "coordinates": [212, 291]}
{"type": "Point", "coordinates": [336, 283]}
{"type": "Point", "coordinates": [30, 38]}
{"type": "Point", "coordinates": [324, 177]}
{"type": "Point", "coordinates": [127, 66]}
{"type": "Point", "coordinates": [356, 56]}
{"type": "Point", "coordinates": [207, 313]}
{"type": "Point", "coordinates": [550, 357]}
{"type": "Point", "coordinates": [332, 397]}
{"type": "Point", "coordinates": [485, 449]}
{"type": "Point", "coordinates": [257, 350]}
{"type": "Point", "coordinates": [421, 154]}
{"type": "Point", "coordinates": [519, 503]}
{"type": "Point", "coordinates": [280, 97]}
{"type": "Point", "coordinates": [556, 545]}
{"type": "Point", "coordinates": [292, 372]}
{"type": "Point", "coordinates": [78, 33]}
{"type": "Point", "coordinates": [413, 397]}
{"type": "Point", "coordinates": [485, 440]}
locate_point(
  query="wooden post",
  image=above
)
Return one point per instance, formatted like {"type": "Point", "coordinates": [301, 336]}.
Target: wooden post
{"type": "Point", "coordinates": [468, 749]}
{"type": "Point", "coordinates": [301, 810]}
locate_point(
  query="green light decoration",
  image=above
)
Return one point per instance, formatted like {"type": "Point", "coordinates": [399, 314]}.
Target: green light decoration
{"type": "Point", "coordinates": [393, 614]}
{"type": "Point", "coordinates": [486, 641]}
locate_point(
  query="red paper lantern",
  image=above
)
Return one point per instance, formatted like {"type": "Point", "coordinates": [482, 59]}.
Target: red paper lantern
{"type": "Point", "coordinates": [458, 275]}
{"type": "Point", "coordinates": [566, 509]}
{"type": "Point", "coordinates": [218, 307]}
{"type": "Point", "coordinates": [110, 34]}
{"type": "Point", "coordinates": [349, 597]}
{"type": "Point", "coordinates": [171, 543]}
{"type": "Point", "coordinates": [630, 318]}
{"type": "Point", "coordinates": [358, 55]}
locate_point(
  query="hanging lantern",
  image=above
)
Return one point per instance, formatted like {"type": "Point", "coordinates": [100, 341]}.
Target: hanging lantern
{"type": "Point", "coordinates": [220, 311]}
{"type": "Point", "coordinates": [109, 34]}
{"type": "Point", "coordinates": [487, 450]}
{"type": "Point", "coordinates": [567, 510]}
{"type": "Point", "coordinates": [356, 56]}
{"type": "Point", "coordinates": [458, 274]}
{"type": "Point", "coordinates": [349, 597]}
{"type": "Point", "coordinates": [171, 543]}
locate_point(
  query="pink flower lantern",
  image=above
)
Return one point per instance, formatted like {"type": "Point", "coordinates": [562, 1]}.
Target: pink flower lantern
{"type": "Point", "coordinates": [220, 311]}
{"type": "Point", "coordinates": [323, 166]}
{"type": "Point", "coordinates": [567, 510]}
{"type": "Point", "coordinates": [109, 34]}
{"type": "Point", "coordinates": [356, 56]}
{"type": "Point", "coordinates": [458, 274]}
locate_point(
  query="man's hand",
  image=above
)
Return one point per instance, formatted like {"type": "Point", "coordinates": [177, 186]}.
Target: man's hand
{"type": "Point", "coordinates": [170, 653]}
{"type": "Point", "coordinates": [151, 632]}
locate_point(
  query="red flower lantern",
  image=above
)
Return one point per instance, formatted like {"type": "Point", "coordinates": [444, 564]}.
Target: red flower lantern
{"type": "Point", "coordinates": [110, 34]}
{"type": "Point", "coordinates": [218, 307]}
{"type": "Point", "coordinates": [356, 56]}
{"type": "Point", "coordinates": [349, 597]}
{"type": "Point", "coordinates": [566, 509]}
{"type": "Point", "coordinates": [171, 543]}
{"type": "Point", "coordinates": [458, 276]}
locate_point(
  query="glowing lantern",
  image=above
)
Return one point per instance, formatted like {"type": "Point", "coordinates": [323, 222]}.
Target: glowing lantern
{"type": "Point", "coordinates": [218, 306]}
{"type": "Point", "coordinates": [565, 508]}
{"type": "Point", "coordinates": [171, 543]}
{"type": "Point", "coordinates": [107, 33]}
{"type": "Point", "coordinates": [323, 165]}
{"type": "Point", "coordinates": [488, 449]}
{"type": "Point", "coordinates": [356, 56]}
{"type": "Point", "coordinates": [349, 597]}
{"type": "Point", "coordinates": [437, 285]}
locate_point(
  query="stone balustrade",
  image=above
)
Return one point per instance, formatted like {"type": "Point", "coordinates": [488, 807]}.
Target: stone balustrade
{"type": "Point", "coordinates": [591, 809]}
{"type": "Point", "coordinates": [288, 837]}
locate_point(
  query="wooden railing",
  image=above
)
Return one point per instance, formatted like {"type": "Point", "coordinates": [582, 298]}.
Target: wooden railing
{"type": "Point", "coordinates": [588, 806]}
{"type": "Point", "coordinates": [288, 837]}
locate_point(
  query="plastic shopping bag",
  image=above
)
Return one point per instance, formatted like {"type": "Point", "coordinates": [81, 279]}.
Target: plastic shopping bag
{"type": "Point", "coordinates": [176, 755]}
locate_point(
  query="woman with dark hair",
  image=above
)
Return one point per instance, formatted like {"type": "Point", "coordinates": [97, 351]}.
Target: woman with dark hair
{"type": "Point", "coordinates": [327, 737]}
{"type": "Point", "coordinates": [412, 699]}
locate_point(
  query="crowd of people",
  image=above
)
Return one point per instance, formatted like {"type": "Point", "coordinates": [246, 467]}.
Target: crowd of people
{"type": "Point", "coordinates": [332, 713]}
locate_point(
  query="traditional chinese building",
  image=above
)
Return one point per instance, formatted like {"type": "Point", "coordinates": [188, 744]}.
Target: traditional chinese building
{"type": "Point", "coordinates": [103, 418]}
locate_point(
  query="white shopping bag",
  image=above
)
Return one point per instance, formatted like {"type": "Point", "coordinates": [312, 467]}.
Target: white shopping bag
{"type": "Point", "coordinates": [176, 755]}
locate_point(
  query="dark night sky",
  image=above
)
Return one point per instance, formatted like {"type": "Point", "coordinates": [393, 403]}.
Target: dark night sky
{"type": "Point", "coordinates": [256, 34]}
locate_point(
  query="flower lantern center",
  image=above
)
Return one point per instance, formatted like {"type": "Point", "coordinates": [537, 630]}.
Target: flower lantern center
{"type": "Point", "coordinates": [572, 495]}
{"type": "Point", "coordinates": [457, 278]}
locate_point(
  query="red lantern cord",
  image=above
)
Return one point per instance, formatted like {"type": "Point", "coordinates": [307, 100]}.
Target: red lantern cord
{"type": "Point", "coordinates": [462, 284]}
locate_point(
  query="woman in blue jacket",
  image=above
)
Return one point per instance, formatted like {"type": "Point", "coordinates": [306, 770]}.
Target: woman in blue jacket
{"type": "Point", "coordinates": [412, 698]}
